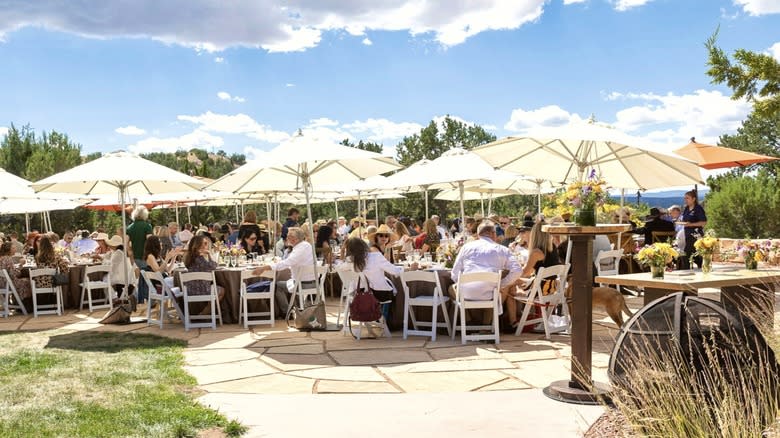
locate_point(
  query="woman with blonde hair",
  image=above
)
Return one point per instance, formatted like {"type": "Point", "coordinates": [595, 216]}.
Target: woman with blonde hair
{"type": "Point", "coordinates": [429, 240]}
{"type": "Point", "coordinates": [405, 239]}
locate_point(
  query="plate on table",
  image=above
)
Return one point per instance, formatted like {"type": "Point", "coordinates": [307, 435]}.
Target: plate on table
{"type": "Point", "coordinates": [681, 273]}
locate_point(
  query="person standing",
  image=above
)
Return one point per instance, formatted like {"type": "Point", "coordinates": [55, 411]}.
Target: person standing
{"type": "Point", "coordinates": [694, 219]}
{"type": "Point", "coordinates": [292, 221]}
{"type": "Point", "coordinates": [137, 232]}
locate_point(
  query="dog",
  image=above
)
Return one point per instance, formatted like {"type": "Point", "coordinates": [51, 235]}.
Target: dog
{"type": "Point", "coordinates": [605, 298]}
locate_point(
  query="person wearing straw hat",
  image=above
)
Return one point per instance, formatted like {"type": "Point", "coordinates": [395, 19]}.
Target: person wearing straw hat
{"type": "Point", "coordinates": [118, 260]}
{"type": "Point", "coordinates": [381, 240]}
{"type": "Point", "coordinates": [101, 250]}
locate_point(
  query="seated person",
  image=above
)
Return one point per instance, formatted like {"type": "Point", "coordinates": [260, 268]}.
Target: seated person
{"type": "Point", "coordinates": [485, 255]}
{"type": "Point", "coordinates": [654, 222]}
{"type": "Point", "coordinates": [300, 256]}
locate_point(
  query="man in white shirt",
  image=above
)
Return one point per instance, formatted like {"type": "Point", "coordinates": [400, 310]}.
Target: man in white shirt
{"type": "Point", "coordinates": [186, 234]}
{"type": "Point", "coordinates": [301, 256]}
{"type": "Point", "coordinates": [173, 232]}
{"type": "Point", "coordinates": [343, 229]}
{"type": "Point", "coordinates": [484, 255]}
{"type": "Point", "coordinates": [85, 245]}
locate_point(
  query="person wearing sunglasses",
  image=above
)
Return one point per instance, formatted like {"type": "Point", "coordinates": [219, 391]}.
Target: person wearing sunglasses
{"type": "Point", "coordinates": [381, 241]}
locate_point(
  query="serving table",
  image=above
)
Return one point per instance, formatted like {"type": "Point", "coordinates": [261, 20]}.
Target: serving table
{"type": "Point", "coordinates": [580, 388]}
{"type": "Point", "coordinates": [746, 292]}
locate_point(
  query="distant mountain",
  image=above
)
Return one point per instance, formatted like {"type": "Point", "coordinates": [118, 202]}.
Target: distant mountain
{"type": "Point", "coordinates": [674, 193]}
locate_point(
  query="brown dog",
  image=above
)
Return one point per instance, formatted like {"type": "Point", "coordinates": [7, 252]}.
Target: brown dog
{"type": "Point", "coordinates": [607, 298]}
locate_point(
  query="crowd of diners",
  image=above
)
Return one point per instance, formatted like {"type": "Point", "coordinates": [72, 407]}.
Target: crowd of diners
{"type": "Point", "coordinates": [517, 246]}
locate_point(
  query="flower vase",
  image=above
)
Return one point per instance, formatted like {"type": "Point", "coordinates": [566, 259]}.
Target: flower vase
{"type": "Point", "coordinates": [657, 271]}
{"type": "Point", "coordinates": [751, 262]}
{"type": "Point", "coordinates": [585, 217]}
{"type": "Point", "coordinates": [706, 264]}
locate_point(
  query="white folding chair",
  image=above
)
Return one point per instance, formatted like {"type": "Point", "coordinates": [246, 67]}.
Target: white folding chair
{"type": "Point", "coordinates": [103, 284]}
{"type": "Point", "coordinates": [308, 289]}
{"type": "Point", "coordinates": [608, 263]}
{"type": "Point", "coordinates": [247, 296]}
{"type": "Point", "coordinates": [165, 295]}
{"type": "Point", "coordinates": [490, 280]}
{"type": "Point", "coordinates": [348, 279]}
{"type": "Point", "coordinates": [45, 309]}
{"type": "Point", "coordinates": [546, 303]}
{"type": "Point", "coordinates": [7, 292]}
{"type": "Point", "coordinates": [212, 300]}
{"type": "Point", "coordinates": [434, 301]}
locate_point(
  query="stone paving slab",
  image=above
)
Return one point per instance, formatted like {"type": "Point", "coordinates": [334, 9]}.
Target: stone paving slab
{"type": "Point", "coordinates": [380, 357]}
{"type": "Point", "coordinates": [341, 387]}
{"type": "Point", "coordinates": [313, 348]}
{"type": "Point", "coordinates": [345, 373]}
{"type": "Point", "coordinates": [347, 343]}
{"type": "Point", "coordinates": [450, 365]}
{"type": "Point", "coordinates": [281, 342]}
{"type": "Point", "coordinates": [214, 357]}
{"type": "Point", "coordinates": [294, 362]}
{"type": "Point", "coordinates": [525, 413]}
{"type": "Point", "coordinates": [467, 352]}
{"type": "Point", "coordinates": [268, 384]}
{"type": "Point", "coordinates": [447, 381]}
{"type": "Point", "coordinates": [221, 372]}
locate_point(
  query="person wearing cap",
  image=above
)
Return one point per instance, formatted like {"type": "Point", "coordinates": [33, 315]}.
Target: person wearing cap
{"type": "Point", "coordinates": [343, 229]}
{"type": "Point", "coordinates": [654, 222]}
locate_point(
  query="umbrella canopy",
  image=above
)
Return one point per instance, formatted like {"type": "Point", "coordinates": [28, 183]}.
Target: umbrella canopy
{"type": "Point", "coordinates": [120, 173]}
{"type": "Point", "coordinates": [302, 163]}
{"type": "Point", "coordinates": [35, 205]}
{"type": "Point", "coordinates": [719, 157]}
{"type": "Point", "coordinates": [14, 186]}
{"type": "Point", "coordinates": [456, 168]}
{"type": "Point", "coordinates": [566, 154]}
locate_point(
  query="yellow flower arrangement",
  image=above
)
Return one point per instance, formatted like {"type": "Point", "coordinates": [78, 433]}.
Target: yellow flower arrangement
{"type": "Point", "coordinates": [588, 194]}
{"type": "Point", "coordinates": [657, 255]}
{"type": "Point", "coordinates": [707, 244]}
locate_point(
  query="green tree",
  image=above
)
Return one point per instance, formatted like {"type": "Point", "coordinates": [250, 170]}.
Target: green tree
{"type": "Point", "coordinates": [16, 148]}
{"type": "Point", "coordinates": [431, 142]}
{"type": "Point", "coordinates": [366, 146]}
{"type": "Point", "coordinates": [752, 76]}
{"type": "Point", "coordinates": [745, 206]}
{"type": "Point", "coordinates": [53, 153]}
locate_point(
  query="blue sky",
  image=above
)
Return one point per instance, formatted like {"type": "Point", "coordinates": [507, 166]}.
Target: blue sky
{"type": "Point", "coordinates": [161, 76]}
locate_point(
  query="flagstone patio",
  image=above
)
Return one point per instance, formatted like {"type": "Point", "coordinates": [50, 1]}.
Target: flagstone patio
{"type": "Point", "coordinates": [232, 363]}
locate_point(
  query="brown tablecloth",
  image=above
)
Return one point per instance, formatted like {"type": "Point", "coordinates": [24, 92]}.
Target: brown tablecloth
{"type": "Point", "coordinates": [230, 279]}
{"type": "Point", "coordinates": [416, 288]}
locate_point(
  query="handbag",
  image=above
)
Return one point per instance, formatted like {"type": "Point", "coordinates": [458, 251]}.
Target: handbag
{"type": "Point", "coordinates": [364, 306]}
{"type": "Point", "coordinates": [119, 314]}
{"type": "Point", "coordinates": [310, 318]}
{"type": "Point", "coordinates": [60, 279]}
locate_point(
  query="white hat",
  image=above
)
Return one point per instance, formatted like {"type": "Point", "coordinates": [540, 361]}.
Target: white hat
{"type": "Point", "coordinates": [114, 241]}
{"type": "Point", "coordinates": [101, 236]}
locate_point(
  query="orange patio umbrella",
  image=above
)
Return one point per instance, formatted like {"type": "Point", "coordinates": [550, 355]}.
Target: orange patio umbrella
{"type": "Point", "coordinates": [718, 157]}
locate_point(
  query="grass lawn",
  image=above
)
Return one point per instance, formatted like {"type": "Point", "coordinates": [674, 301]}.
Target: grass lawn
{"type": "Point", "coordinates": [85, 384]}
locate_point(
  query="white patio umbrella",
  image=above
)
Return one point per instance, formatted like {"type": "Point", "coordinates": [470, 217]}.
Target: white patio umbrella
{"type": "Point", "coordinates": [302, 163]}
{"type": "Point", "coordinates": [456, 168]}
{"type": "Point", "coordinates": [122, 173]}
{"type": "Point", "coordinates": [474, 194]}
{"type": "Point", "coordinates": [566, 154]}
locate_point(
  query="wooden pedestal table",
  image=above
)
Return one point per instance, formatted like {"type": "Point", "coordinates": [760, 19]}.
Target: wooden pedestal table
{"type": "Point", "coordinates": [580, 388]}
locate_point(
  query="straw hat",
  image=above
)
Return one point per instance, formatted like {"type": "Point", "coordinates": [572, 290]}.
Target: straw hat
{"type": "Point", "coordinates": [114, 241]}
{"type": "Point", "coordinates": [101, 236]}
{"type": "Point", "coordinates": [383, 229]}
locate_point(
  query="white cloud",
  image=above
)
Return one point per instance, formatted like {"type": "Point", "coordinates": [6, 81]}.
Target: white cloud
{"type": "Point", "coordinates": [235, 124]}
{"type": "Point", "coordinates": [380, 130]}
{"type": "Point", "coordinates": [219, 59]}
{"type": "Point", "coordinates": [367, 42]}
{"type": "Point", "coordinates": [130, 130]}
{"type": "Point", "coordinates": [273, 25]}
{"type": "Point", "coordinates": [289, 85]}
{"type": "Point", "coordinates": [224, 95]}
{"type": "Point", "coordinates": [775, 51]}
{"type": "Point", "coordinates": [624, 5]}
{"type": "Point", "coordinates": [571, 2]}
{"type": "Point", "coordinates": [759, 7]}
{"type": "Point", "coordinates": [551, 115]}
{"type": "Point", "coordinates": [196, 139]}
{"type": "Point", "coordinates": [704, 114]}
{"type": "Point", "coordinates": [3, 131]}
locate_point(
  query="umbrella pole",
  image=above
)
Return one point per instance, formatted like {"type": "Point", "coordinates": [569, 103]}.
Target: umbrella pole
{"type": "Point", "coordinates": [305, 178]}
{"type": "Point", "coordinates": [122, 189]}
{"type": "Point", "coordinates": [426, 202]}
{"type": "Point", "coordinates": [490, 203]}
{"type": "Point", "coordinates": [376, 210]}
{"type": "Point", "coordinates": [336, 204]}
{"type": "Point", "coordinates": [189, 215]}
{"type": "Point", "coordinates": [622, 201]}
{"type": "Point", "coordinates": [538, 196]}
{"type": "Point", "coordinates": [462, 210]}
{"type": "Point", "coordinates": [27, 222]}
{"type": "Point", "coordinates": [482, 204]}
{"type": "Point", "coordinates": [271, 227]}
{"type": "Point", "coordinates": [176, 207]}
